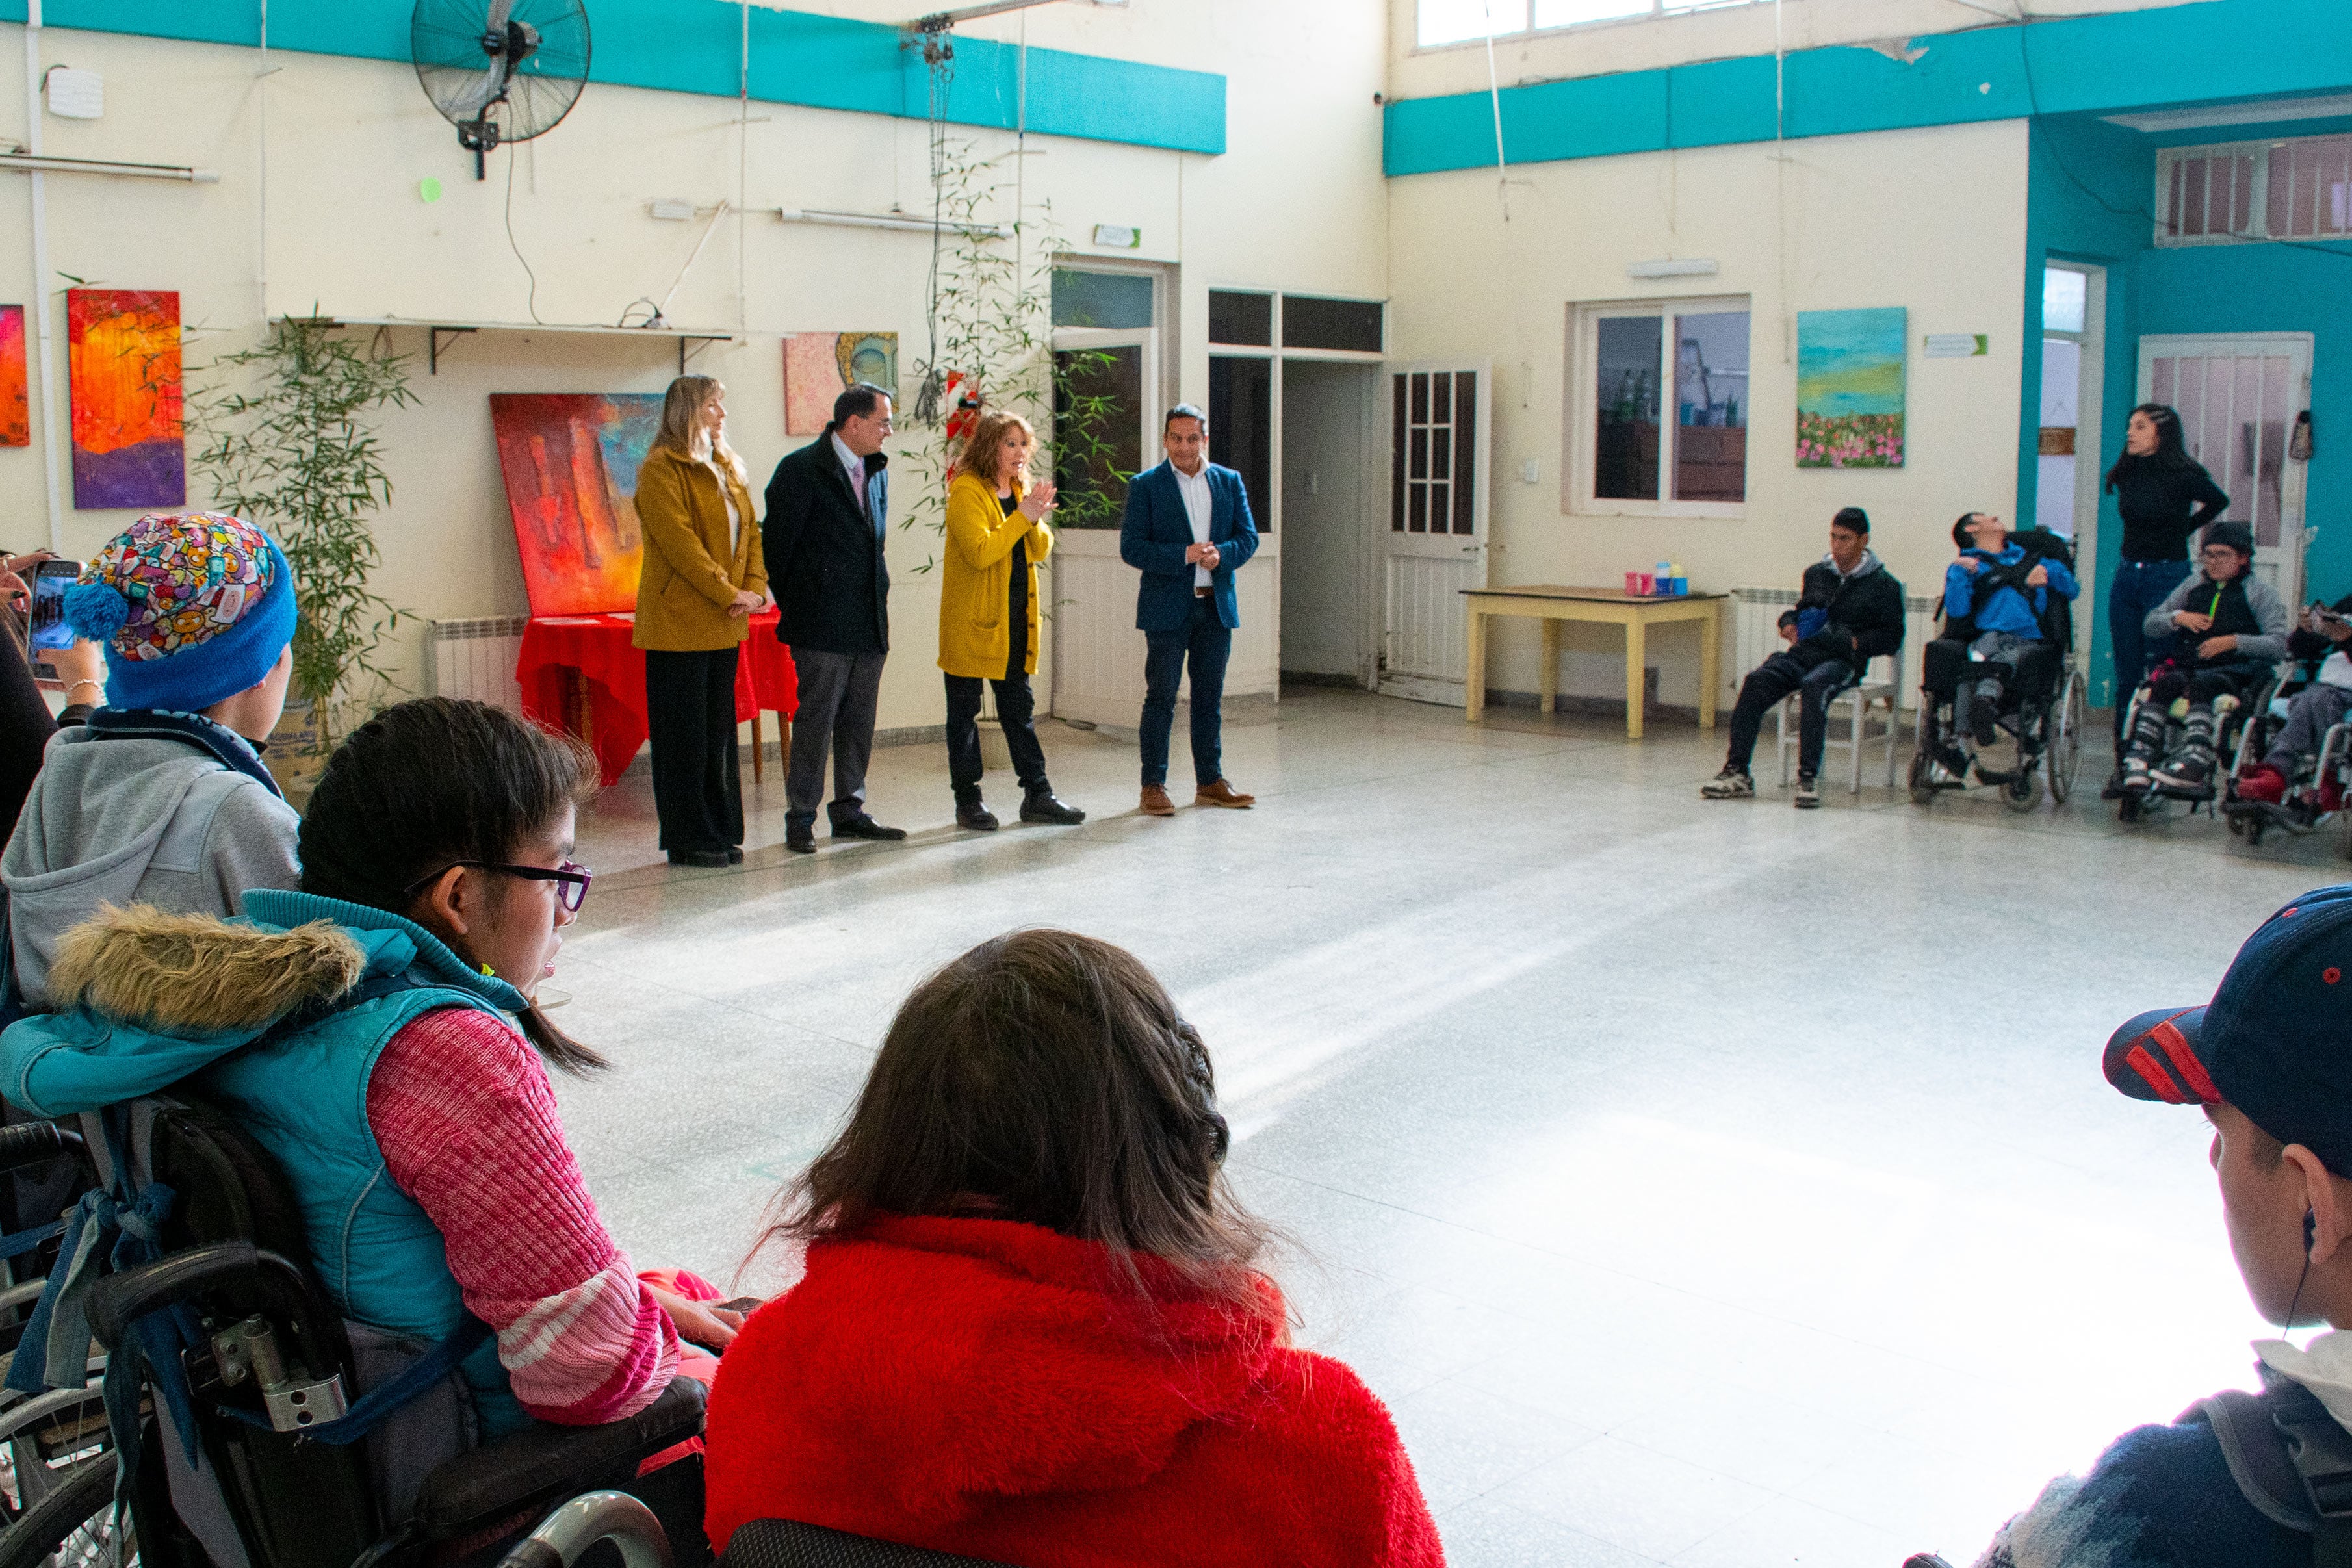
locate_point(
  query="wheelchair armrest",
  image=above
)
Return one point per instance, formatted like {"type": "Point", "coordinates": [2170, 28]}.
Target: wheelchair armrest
{"type": "Point", "coordinates": [518, 1471]}
{"type": "Point", "coordinates": [118, 1301]}
{"type": "Point", "coordinates": [34, 1143]}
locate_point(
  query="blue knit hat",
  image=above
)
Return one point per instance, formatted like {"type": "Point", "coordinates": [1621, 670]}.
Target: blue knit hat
{"type": "Point", "coordinates": [192, 607]}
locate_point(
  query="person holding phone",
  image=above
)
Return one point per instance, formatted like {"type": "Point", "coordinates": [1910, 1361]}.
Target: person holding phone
{"type": "Point", "coordinates": [2323, 633]}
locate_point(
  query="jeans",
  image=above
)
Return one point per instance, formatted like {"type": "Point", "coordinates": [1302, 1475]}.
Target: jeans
{"type": "Point", "coordinates": [1770, 683]}
{"type": "Point", "coordinates": [839, 693]}
{"type": "Point", "coordinates": [1204, 644]}
{"type": "Point", "coordinates": [2002, 648]}
{"type": "Point", "coordinates": [2139, 586]}
{"type": "Point", "coordinates": [691, 719]}
{"type": "Point", "coordinates": [1016, 706]}
{"type": "Point", "coordinates": [2314, 711]}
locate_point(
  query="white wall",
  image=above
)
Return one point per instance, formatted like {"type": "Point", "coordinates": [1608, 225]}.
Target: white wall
{"type": "Point", "coordinates": [1296, 202]}
{"type": "Point", "coordinates": [1931, 220]}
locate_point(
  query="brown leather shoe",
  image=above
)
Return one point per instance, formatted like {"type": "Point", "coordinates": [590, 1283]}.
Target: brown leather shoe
{"type": "Point", "coordinates": [1155, 802]}
{"type": "Point", "coordinates": [1223, 794]}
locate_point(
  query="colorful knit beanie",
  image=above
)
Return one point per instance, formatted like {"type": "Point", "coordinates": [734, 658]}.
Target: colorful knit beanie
{"type": "Point", "coordinates": [192, 607]}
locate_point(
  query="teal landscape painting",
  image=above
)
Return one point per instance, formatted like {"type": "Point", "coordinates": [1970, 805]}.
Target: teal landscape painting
{"type": "Point", "coordinates": [1850, 367]}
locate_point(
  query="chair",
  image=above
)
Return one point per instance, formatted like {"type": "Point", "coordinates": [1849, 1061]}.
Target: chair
{"type": "Point", "coordinates": [566, 1534]}
{"type": "Point", "coordinates": [1877, 686]}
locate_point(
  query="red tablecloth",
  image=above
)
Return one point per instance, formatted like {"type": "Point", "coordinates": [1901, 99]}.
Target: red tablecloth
{"type": "Point", "coordinates": [598, 648]}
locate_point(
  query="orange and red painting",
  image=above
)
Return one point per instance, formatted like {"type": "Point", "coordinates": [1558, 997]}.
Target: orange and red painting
{"type": "Point", "coordinates": [122, 361]}
{"type": "Point", "coordinates": [570, 461]}
{"type": "Point", "coordinates": [15, 421]}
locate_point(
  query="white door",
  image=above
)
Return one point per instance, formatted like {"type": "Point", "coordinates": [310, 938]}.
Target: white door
{"type": "Point", "coordinates": [2238, 398]}
{"type": "Point", "coordinates": [1435, 542]}
{"type": "Point", "coordinates": [1098, 652]}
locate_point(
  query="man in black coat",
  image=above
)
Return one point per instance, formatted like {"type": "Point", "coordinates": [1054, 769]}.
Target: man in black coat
{"type": "Point", "coordinates": [828, 509]}
{"type": "Point", "coordinates": [1849, 611]}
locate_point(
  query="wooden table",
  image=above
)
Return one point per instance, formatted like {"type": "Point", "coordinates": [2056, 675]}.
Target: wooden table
{"type": "Point", "coordinates": [1551, 604]}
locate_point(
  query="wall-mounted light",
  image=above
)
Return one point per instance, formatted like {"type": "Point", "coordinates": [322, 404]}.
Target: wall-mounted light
{"type": "Point", "coordinates": [1675, 267]}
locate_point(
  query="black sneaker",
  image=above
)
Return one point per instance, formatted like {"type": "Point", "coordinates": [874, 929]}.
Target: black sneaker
{"type": "Point", "coordinates": [1731, 784]}
{"type": "Point", "coordinates": [1809, 792]}
{"type": "Point", "coordinates": [1044, 806]}
{"type": "Point", "coordinates": [862, 826]}
{"type": "Point", "coordinates": [800, 837]}
{"type": "Point", "coordinates": [734, 854]}
{"type": "Point", "coordinates": [1985, 725]}
{"type": "Point", "coordinates": [974, 817]}
{"type": "Point", "coordinates": [705, 859]}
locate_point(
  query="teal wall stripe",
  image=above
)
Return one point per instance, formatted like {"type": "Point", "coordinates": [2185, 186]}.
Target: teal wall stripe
{"type": "Point", "coordinates": [2196, 52]}
{"type": "Point", "coordinates": [692, 46]}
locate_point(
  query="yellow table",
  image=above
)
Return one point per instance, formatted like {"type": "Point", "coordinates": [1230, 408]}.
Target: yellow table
{"type": "Point", "coordinates": [1552, 604]}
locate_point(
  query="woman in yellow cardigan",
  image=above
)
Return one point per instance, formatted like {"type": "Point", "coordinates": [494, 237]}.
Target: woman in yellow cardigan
{"type": "Point", "coordinates": [997, 534]}
{"type": "Point", "coordinates": [702, 579]}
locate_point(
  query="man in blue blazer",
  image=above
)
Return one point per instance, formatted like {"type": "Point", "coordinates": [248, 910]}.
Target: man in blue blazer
{"type": "Point", "coordinates": [1188, 529]}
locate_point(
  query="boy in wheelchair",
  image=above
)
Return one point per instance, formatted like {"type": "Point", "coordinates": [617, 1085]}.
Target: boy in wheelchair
{"type": "Point", "coordinates": [2277, 783]}
{"type": "Point", "coordinates": [2005, 604]}
{"type": "Point", "coordinates": [2231, 629]}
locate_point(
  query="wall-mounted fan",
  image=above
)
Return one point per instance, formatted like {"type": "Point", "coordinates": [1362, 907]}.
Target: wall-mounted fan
{"type": "Point", "coordinates": [499, 70]}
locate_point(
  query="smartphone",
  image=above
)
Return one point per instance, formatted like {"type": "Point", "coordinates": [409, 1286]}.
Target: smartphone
{"type": "Point", "coordinates": [50, 580]}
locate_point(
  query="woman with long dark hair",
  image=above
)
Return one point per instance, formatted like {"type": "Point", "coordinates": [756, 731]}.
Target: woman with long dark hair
{"type": "Point", "coordinates": [1034, 1327]}
{"type": "Point", "coordinates": [2165, 496]}
{"type": "Point", "coordinates": [704, 577]}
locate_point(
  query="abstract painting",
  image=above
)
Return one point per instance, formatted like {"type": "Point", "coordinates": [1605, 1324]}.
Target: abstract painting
{"type": "Point", "coordinates": [15, 420]}
{"type": "Point", "coordinates": [569, 461]}
{"type": "Point", "coordinates": [1849, 379]}
{"type": "Point", "coordinates": [819, 365]}
{"type": "Point", "coordinates": [122, 365]}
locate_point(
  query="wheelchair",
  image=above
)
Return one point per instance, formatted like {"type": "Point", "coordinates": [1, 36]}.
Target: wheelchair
{"type": "Point", "coordinates": [209, 1437]}
{"type": "Point", "coordinates": [2044, 703]}
{"type": "Point", "coordinates": [2251, 820]}
{"type": "Point", "coordinates": [566, 1535]}
{"type": "Point", "coordinates": [2235, 738]}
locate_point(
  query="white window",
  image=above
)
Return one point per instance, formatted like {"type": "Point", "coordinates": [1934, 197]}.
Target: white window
{"type": "Point", "coordinates": [1442, 22]}
{"type": "Point", "coordinates": [2246, 191]}
{"type": "Point", "coordinates": [1657, 408]}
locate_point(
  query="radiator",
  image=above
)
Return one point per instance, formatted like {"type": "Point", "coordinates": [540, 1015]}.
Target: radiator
{"type": "Point", "coordinates": [476, 658]}
{"type": "Point", "coordinates": [1756, 634]}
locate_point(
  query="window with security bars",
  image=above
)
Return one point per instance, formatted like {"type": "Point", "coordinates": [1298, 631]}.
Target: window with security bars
{"type": "Point", "coordinates": [1435, 415]}
{"type": "Point", "coordinates": [2247, 192]}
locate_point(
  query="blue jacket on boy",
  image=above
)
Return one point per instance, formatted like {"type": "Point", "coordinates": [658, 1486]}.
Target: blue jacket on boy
{"type": "Point", "coordinates": [2007, 607]}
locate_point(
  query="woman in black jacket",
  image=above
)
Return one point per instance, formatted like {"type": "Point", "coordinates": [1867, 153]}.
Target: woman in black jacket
{"type": "Point", "coordinates": [2165, 496]}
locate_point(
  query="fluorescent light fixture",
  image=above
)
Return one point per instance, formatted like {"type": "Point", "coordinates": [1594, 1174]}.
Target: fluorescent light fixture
{"type": "Point", "coordinates": [28, 162]}
{"type": "Point", "coordinates": [906, 223]}
{"type": "Point", "coordinates": [1675, 267]}
{"type": "Point", "coordinates": [2259, 112]}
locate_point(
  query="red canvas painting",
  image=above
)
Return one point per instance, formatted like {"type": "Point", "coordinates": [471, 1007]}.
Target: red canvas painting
{"type": "Point", "coordinates": [15, 420]}
{"type": "Point", "coordinates": [123, 363]}
{"type": "Point", "coordinates": [570, 461]}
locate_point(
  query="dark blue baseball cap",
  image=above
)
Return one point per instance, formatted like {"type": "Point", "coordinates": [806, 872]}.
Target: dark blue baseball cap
{"type": "Point", "coordinates": [2275, 1040]}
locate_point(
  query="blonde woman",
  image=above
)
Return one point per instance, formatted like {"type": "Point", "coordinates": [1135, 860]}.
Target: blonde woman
{"type": "Point", "coordinates": [702, 579]}
{"type": "Point", "coordinates": [997, 534]}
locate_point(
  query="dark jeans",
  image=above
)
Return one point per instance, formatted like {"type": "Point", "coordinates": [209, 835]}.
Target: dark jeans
{"type": "Point", "coordinates": [1204, 644]}
{"type": "Point", "coordinates": [2203, 684]}
{"type": "Point", "coordinates": [1817, 680]}
{"type": "Point", "coordinates": [691, 719]}
{"type": "Point", "coordinates": [839, 692]}
{"type": "Point", "coordinates": [1016, 706]}
{"type": "Point", "coordinates": [2139, 586]}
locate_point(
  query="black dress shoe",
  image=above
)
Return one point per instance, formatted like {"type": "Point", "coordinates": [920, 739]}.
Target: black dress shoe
{"type": "Point", "coordinates": [976, 817]}
{"type": "Point", "coordinates": [1042, 806]}
{"type": "Point", "coordinates": [704, 858]}
{"type": "Point", "coordinates": [800, 838]}
{"type": "Point", "coordinates": [734, 854]}
{"type": "Point", "coordinates": [862, 826]}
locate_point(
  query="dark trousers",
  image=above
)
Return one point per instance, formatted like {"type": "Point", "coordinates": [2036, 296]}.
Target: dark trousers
{"type": "Point", "coordinates": [2201, 685]}
{"type": "Point", "coordinates": [1815, 680]}
{"type": "Point", "coordinates": [1017, 708]}
{"type": "Point", "coordinates": [1204, 644]}
{"type": "Point", "coordinates": [2139, 586]}
{"type": "Point", "coordinates": [691, 719]}
{"type": "Point", "coordinates": [839, 692]}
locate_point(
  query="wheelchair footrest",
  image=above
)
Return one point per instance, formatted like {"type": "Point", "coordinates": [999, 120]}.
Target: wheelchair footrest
{"type": "Point", "coordinates": [530, 1466]}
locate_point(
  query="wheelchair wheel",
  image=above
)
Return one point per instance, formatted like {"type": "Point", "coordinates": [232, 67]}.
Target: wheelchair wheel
{"type": "Point", "coordinates": [2063, 756]}
{"type": "Point", "coordinates": [1923, 793]}
{"type": "Point", "coordinates": [78, 1525]}
{"type": "Point", "coordinates": [2023, 790]}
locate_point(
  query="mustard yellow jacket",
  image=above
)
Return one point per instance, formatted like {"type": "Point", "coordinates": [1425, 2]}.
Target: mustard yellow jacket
{"type": "Point", "coordinates": [690, 575]}
{"type": "Point", "coordinates": [976, 578]}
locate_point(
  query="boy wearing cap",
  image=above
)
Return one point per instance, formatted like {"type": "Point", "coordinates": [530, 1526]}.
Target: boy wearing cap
{"type": "Point", "coordinates": [2220, 1488]}
{"type": "Point", "coordinates": [2230, 626]}
{"type": "Point", "coordinates": [160, 797]}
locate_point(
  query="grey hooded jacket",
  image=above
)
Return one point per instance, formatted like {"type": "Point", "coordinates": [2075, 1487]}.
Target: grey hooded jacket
{"type": "Point", "coordinates": [2270, 613]}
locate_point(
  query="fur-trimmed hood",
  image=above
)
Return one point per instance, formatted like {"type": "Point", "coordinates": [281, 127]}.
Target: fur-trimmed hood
{"type": "Point", "coordinates": [147, 999]}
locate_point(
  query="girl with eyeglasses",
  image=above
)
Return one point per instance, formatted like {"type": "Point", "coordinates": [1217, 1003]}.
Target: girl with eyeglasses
{"type": "Point", "coordinates": [376, 1032]}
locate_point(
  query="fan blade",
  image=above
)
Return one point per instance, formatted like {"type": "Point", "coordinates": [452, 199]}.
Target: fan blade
{"type": "Point", "coordinates": [484, 91]}
{"type": "Point", "coordinates": [499, 11]}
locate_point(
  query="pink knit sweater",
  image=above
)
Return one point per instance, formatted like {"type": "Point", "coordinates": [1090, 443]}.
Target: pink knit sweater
{"type": "Point", "coordinates": [461, 1107]}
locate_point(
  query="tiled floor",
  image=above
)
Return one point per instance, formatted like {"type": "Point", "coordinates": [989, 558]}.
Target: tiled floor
{"type": "Point", "coordinates": [1700, 1183]}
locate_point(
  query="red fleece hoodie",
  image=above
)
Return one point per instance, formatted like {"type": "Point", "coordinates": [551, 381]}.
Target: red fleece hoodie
{"type": "Point", "coordinates": [980, 1387]}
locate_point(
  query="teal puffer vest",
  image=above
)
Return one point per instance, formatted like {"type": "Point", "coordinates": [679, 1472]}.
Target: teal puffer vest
{"type": "Point", "coordinates": [302, 1096]}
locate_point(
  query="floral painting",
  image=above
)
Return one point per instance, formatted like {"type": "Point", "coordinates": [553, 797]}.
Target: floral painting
{"type": "Point", "coordinates": [15, 421]}
{"type": "Point", "coordinates": [818, 365]}
{"type": "Point", "coordinates": [570, 461]}
{"type": "Point", "coordinates": [1850, 383]}
{"type": "Point", "coordinates": [122, 367]}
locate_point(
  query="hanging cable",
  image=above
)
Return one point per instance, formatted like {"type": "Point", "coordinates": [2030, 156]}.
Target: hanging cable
{"type": "Point", "coordinates": [938, 61]}
{"type": "Point", "coordinates": [513, 149]}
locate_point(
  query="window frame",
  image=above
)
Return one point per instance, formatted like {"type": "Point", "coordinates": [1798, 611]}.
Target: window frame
{"type": "Point", "coordinates": [2257, 230]}
{"type": "Point", "coordinates": [1659, 11]}
{"type": "Point", "coordinates": [1581, 407]}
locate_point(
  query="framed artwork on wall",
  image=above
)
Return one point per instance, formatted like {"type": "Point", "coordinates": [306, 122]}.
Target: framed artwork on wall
{"type": "Point", "coordinates": [1850, 387]}
{"type": "Point", "coordinates": [16, 417]}
{"type": "Point", "coordinates": [569, 461]}
{"type": "Point", "coordinates": [122, 372]}
{"type": "Point", "coordinates": [819, 365]}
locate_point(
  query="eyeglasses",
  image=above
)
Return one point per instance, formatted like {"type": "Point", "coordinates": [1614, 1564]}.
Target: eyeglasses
{"type": "Point", "coordinates": [570, 880]}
